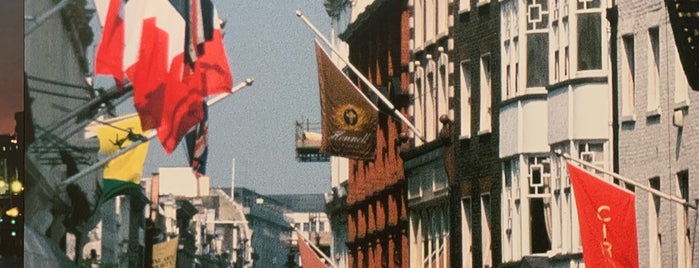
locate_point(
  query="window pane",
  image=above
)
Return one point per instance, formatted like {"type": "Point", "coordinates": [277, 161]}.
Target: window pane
{"type": "Point", "coordinates": [539, 226]}
{"type": "Point", "coordinates": [465, 77]}
{"type": "Point", "coordinates": [537, 59]}
{"type": "Point", "coordinates": [589, 42]}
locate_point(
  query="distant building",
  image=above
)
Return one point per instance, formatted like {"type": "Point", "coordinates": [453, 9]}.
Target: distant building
{"type": "Point", "coordinates": [306, 212]}
{"type": "Point", "coordinates": [271, 233]}
{"type": "Point", "coordinates": [120, 228]}
{"type": "Point", "coordinates": [222, 231]}
{"type": "Point", "coordinates": [211, 227]}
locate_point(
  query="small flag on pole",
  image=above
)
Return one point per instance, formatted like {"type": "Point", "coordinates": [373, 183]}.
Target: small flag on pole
{"type": "Point", "coordinates": [211, 71]}
{"type": "Point", "coordinates": [309, 259]}
{"type": "Point", "coordinates": [349, 120]}
{"type": "Point", "coordinates": [123, 174]}
{"type": "Point", "coordinates": [197, 147]}
{"type": "Point", "coordinates": [110, 51]}
{"type": "Point", "coordinates": [154, 63]}
{"type": "Point", "coordinates": [172, 53]}
{"type": "Point", "coordinates": [607, 219]}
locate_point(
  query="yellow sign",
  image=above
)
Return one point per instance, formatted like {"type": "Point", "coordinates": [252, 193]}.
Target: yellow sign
{"type": "Point", "coordinates": [165, 254]}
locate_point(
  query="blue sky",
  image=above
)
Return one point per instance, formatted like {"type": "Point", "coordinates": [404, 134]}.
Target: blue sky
{"type": "Point", "coordinates": [265, 41]}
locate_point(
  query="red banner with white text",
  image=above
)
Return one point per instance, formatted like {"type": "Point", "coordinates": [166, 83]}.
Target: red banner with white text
{"type": "Point", "coordinates": [607, 218]}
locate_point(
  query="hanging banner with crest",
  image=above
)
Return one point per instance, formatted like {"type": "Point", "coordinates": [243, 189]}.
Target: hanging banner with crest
{"type": "Point", "coordinates": [349, 120]}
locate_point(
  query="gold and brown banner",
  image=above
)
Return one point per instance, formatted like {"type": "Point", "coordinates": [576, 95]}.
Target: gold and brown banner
{"type": "Point", "coordinates": [165, 254]}
{"type": "Point", "coordinates": [349, 120]}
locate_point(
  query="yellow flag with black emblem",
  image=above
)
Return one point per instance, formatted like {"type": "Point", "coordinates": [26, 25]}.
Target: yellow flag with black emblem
{"type": "Point", "coordinates": [123, 174]}
{"type": "Point", "coordinates": [349, 119]}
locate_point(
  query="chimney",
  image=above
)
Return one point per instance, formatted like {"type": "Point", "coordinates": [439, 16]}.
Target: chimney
{"type": "Point", "coordinates": [204, 183]}
{"type": "Point", "coordinates": [154, 194]}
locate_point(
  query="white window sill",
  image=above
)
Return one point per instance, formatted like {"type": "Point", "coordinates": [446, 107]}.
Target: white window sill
{"type": "Point", "coordinates": [534, 90]}
{"type": "Point", "coordinates": [484, 131]}
{"type": "Point", "coordinates": [465, 10]}
{"type": "Point", "coordinates": [682, 104]}
{"type": "Point", "coordinates": [628, 118]}
{"type": "Point", "coordinates": [482, 3]}
{"type": "Point", "coordinates": [653, 112]}
{"type": "Point", "coordinates": [465, 137]}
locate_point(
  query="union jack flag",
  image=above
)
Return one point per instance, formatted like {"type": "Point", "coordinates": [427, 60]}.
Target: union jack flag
{"type": "Point", "coordinates": [197, 145]}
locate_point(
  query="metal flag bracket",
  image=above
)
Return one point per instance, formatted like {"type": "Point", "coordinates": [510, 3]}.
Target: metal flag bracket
{"type": "Point", "coordinates": [149, 134]}
{"type": "Point", "coordinates": [636, 184]}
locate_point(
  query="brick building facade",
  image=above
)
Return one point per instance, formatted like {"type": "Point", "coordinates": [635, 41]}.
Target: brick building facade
{"type": "Point", "coordinates": [377, 213]}
{"type": "Point", "coordinates": [475, 191]}
{"type": "Point", "coordinates": [658, 140]}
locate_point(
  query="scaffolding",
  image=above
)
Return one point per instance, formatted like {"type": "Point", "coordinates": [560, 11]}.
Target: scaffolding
{"type": "Point", "coordinates": [308, 141]}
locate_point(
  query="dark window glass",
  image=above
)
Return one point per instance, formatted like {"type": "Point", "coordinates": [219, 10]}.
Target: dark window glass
{"type": "Point", "coordinates": [537, 59]}
{"type": "Point", "coordinates": [540, 237]}
{"type": "Point", "coordinates": [589, 42]}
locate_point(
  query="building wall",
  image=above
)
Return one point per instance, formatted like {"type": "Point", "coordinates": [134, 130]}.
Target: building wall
{"type": "Point", "coordinates": [313, 225]}
{"type": "Point", "coordinates": [271, 238]}
{"type": "Point", "coordinates": [476, 33]}
{"type": "Point", "coordinates": [52, 64]}
{"type": "Point", "coordinates": [576, 86]}
{"type": "Point", "coordinates": [428, 205]}
{"type": "Point", "coordinates": [340, 13]}
{"type": "Point", "coordinates": [650, 145]}
{"type": "Point", "coordinates": [432, 95]}
{"type": "Point", "coordinates": [556, 95]}
{"type": "Point", "coordinates": [377, 221]}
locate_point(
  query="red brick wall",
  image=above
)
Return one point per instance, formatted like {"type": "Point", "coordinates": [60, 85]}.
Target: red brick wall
{"type": "Point", "coordinates": [377, 218]}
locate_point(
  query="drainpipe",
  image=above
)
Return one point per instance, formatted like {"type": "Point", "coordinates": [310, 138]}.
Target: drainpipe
{"type": "Point", "coordinates": [613, 18]}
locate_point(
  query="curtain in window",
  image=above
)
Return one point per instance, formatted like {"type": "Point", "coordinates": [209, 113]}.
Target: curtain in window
{"type": "Point", "coordinates": [547, 217]}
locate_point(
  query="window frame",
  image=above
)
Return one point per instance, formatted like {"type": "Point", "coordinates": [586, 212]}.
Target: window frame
{"type": "Point", "coordinates": [653, 67]}
{"type": "Point", "coordinates": [628, 78]}
{"type": "Point", "coordinates": [485, 92]}
{"type": "Point", "coordinates": [466, 102]}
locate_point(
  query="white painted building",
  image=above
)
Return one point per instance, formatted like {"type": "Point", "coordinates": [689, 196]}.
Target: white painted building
{"type": "Point", "coordinates": [556, 94]}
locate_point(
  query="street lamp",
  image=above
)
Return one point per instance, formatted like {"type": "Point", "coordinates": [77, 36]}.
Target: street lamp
{"type": "Point", "coordinates": [16, 187]}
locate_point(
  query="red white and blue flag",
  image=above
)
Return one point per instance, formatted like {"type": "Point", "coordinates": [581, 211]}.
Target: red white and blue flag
{"type": "Point", "coordinates": [197, 148]}
{"type": "Point", "coordinates": [168, 59]}
{"type": "Point", "coordinates": [211, 68]}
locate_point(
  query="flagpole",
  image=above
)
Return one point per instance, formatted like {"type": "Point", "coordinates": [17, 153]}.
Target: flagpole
{"type": "Point", "coordinates": [109, 94]}
{"type": "Point", "coordinates": [361, 76]}
{"type": "Point", "coordinates": [627, 180]}
{"type": "Point", "coordinates": [38, 21]}
{"type": "Point", "coordinates": [148, 136]}
{"type": "Point", "coordinates": [332, 263]}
